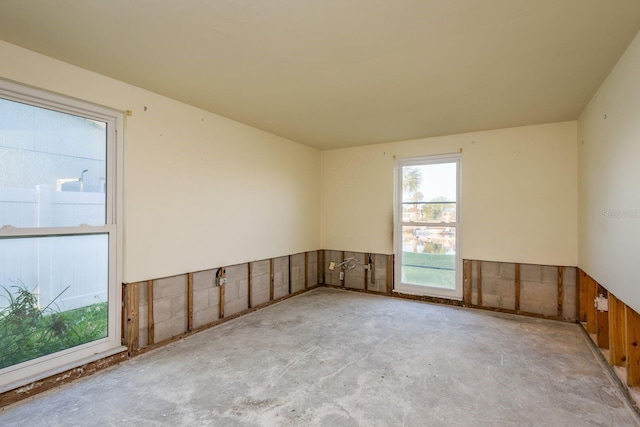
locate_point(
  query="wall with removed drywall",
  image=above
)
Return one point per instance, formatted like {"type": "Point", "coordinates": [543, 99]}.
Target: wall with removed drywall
{"type": "Point", "coordinates": [609, 177]}
{"type": "Point", "coordinates": [518, 193]}
{"type": "Point", "coordinates": [201, 190]}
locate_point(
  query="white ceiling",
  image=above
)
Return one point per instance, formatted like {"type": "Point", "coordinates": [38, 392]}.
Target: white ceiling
{"type": "Point", "coordinates": [336, 73]}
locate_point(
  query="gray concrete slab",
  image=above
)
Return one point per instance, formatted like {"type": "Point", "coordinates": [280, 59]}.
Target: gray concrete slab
{"type": "Point", "coordinates": [338, 358]}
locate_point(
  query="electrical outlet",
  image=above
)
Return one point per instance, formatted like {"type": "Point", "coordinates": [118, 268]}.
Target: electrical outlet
{"type": "Point", "coordinates": [342, 275]}
{"type": "Point", "coordinates": [332, 265]}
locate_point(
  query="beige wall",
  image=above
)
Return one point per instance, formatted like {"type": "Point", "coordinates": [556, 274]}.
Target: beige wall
{"type": "Point", "coordinates": [609, 177]}
{"type": "Point", "coordinates": [519, 189]}
{"type": "Point", "coordinates": [201, 191]}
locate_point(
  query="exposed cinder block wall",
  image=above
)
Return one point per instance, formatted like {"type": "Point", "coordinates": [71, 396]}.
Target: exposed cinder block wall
{"type": "Point", "coordinates": [260, 281]}
{"type": "Point", "coordinates": [312, 269]}
{"type": "Point", "coordinates": [211, 302]}
{"type": "Point", "coordinates": [354, 278]}
{"type": "Point", "coordinates": [297, 272]}
{"type": "Point", "coordinates": [539, 288]}
{"type": "Point", "coordinates": [280, 277]}
{"type": "Point", "coordinates": [236, 292]}
{"type": "Point", "coordinates": [206, 298]}
{"type": "Point", "coordinates": [170, 306]}
{"type": "Point", "coordinates": [380, 273]}
{"type": "Point", "coordinates": [332, 277]}
{"type": "Point", "coordinates": [376, 278]}
{"type": "Point", "coordinates": [498, 284]}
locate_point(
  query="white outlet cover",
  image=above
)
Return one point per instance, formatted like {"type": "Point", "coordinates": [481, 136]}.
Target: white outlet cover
{"type": "Point", "coordinates": [332, 265]}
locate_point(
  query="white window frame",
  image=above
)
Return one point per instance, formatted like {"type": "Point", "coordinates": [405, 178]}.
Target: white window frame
{"type": "Point", "coordinates": [406, 288]}
{"type": "Point", "coordinates": [36, 369]}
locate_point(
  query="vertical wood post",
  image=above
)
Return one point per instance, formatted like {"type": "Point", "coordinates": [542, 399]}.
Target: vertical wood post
{"type": "Point", "coordinates": [602, 323]}
{"type": "Point", "coordinates": [343, 271]}
{"type": "Point", "coordinates": [617, 332]}
{"type": "Point", "coordinates": [590, 309]}
{"type": "Point", "coordinates": [390, 275]}
{"type": "Point", "coordinates": [582, 296]}
{"type": "Point", "coordinates": [271, 276]}
{"type": "Point", "coordinates": [151, 330]}
{"type": "Point", "coordinates": [479, 281]}
{"type": "Point", "coordinates": [560, 291]}
{"type": "Point", "coordinates": [189, 301]}
{"type": "Point", "coordinates": [518, 287]}
{"type": "Point", "coordinates": [633, 347]}
{"type": "Point", "coordinates": [250, 284]}
{"type": "Point", "coordinates": [306, 270]}
{"type": "Point", "coordinates": [133, 320]}
{"type": "Point", "coordinates": [366, 271]}
{"type": "Point", "coordinates": [289, 274]}
{"type": "Point", "coordinates": [466, 282]}
{"type": "Point", "coordinates": [223, 275]}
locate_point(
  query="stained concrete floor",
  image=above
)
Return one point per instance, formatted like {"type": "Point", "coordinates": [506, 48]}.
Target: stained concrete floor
{"type": "Point", "coordinates": [337, 358]}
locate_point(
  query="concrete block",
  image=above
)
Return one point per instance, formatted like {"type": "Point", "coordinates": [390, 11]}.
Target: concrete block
{"type": "Point", "coordinates": [531, 273]}
{"type": "Point", "coordinates": [260, 282]}
{"type": "Point", "coordinates": [498, 293]}
{"type": "Point", "coordinates": [537, 307]}
{"type": "Point", "coordinates": [539, 298]}
{"type": "Point", "coordinates": [569, 275]}
{"type": "Point", "coordinates": [214, 296]}
{"type": "Point", "coordinates": [243, 288]}
{"type": "Point", "coordinates": [498, 301]}
{"type": "Point", "coordinates": [170, 328]}
{"type": "Point", "coordinates": [550, 274]}
{"type": "Point", "coordinates": [231, 291]}
{"type": "Point", "coordinates": [507, 271]}
{"type": "Point", "coordinates": [143, 299]}
{"type": "Point", "coordinates": [170, 286]}
{"type": "Point", "coordinates": [280, 285]}
{"type": "Point", "coordinates": [208, 315]}
{"type": "Point", "coordinates": [179, 305]}
{"type": "Point", "coordinates": [236, 273]}
{"type": "Point", "coordinates": [354, 278]}
{"type": "Point", "coordinates": [260, 297]}
{"type": "Point", "coordinates": [381, 261]}
{"type": "Point", "coordinates": [143, 316]}
{"type": "Point", "coordinates": [332, 278]}
{"type": "Point", "coordinates": [544, 292]}
{"type": "Point", "coordinates": [200, 299]}
{"type": "Point", "coordinates": [569, 306]}
{"type": "Point", "coordinates": [162, 309]}
{"type": "Point", "coordinates": [261, 267]}
{"type": "Point", "coordinates": [143, 336]}
{"type": "Point", "coordinates": [297, 276]}
{"type": "Point", "coordinates": [491, 269]}
{"type": "Point", "coordinates": [235, 306]}
{"type": "Point", "coordinates": [204, 279]}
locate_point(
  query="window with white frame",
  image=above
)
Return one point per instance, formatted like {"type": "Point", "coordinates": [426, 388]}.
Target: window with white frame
{"type": "Point", "coordinates": [59, 232]}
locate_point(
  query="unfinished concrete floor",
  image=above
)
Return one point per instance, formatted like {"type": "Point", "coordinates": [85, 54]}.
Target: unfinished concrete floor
{"type": "Point", "coordinates": [337, 358]}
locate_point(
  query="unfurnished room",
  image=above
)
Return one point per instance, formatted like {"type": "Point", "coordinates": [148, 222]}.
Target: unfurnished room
{"type": "Point", "coordinates": [320, 213]}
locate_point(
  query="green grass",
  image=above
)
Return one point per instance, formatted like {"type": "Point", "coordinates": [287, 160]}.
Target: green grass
{"type": "Point", "coordinates": [427, 269]}
{"type": "Point", "coordinates": [28, 332]}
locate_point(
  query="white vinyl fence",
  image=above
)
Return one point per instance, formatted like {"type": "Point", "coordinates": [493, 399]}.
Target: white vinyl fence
{"type": "Point", "coordinates": [51, 264]}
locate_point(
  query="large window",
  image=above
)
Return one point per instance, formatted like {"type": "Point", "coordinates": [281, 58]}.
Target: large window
{"type": "Point", "coordinates": [59, 236]}
{"type": "Point", "coordinates": [427, 232]}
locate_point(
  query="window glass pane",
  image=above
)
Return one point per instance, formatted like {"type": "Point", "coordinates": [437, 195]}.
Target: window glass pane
{"type": "Point", "coordinates": [52, 168]}
{"type": "Point", "coordinates": [53, 294]}
{"type": "Point", "coordinates": [429, 256]}
{"type": "Point", "coordinates": [429, 193]}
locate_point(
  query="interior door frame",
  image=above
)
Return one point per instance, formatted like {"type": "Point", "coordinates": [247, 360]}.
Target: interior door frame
{"type": "Point", "coordinates": [398, 222]}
